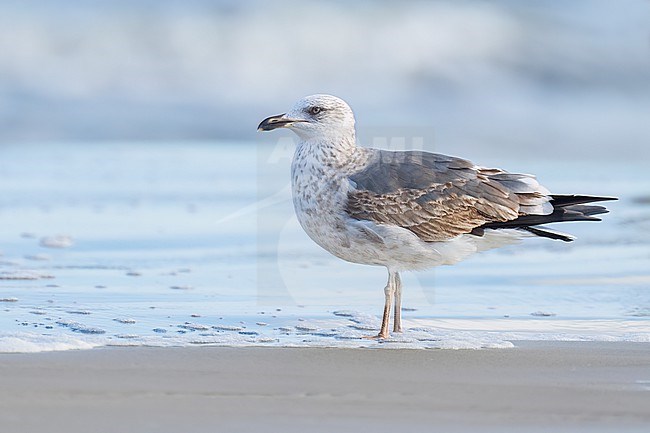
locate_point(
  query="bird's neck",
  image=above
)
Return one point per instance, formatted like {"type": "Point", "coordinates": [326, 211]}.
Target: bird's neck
{"type": "Point", "coordinates": [333, 152]}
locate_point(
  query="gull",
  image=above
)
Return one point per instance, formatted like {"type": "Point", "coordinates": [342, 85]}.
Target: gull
{"type": "Point", "coordinates": [408, 210]}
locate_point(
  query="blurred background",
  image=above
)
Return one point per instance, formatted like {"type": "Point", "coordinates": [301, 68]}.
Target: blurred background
{"type": "Point", "coordinates": [139, 204]}
{"type": "Point", "coordinates": [520, 77]}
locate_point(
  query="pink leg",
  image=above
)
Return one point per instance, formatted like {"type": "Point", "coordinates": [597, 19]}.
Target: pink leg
{"type": "Point", "coordinates": [385, 321]}
{"type": "Point", "coordinates": [389, 292]}
{"type": "Point", "coordinates": [397, 326]}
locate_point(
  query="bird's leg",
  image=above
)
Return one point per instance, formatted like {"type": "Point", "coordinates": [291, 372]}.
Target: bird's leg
{"type": "Point", "coordinates": [389, 292]}
{"type": "Point", "coordinates": [397, 325]}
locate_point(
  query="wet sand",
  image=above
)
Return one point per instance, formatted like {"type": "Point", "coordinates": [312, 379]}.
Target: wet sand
{"type": "Point", "coordinates": [534, 387]}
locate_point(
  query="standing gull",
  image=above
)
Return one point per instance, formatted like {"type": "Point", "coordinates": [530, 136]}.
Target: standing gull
{"type": "Point", "coordinates": [408, 210]}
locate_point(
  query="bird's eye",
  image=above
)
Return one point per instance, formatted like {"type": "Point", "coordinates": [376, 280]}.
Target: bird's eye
{"type": "Point", "coordinates": [315, 110]}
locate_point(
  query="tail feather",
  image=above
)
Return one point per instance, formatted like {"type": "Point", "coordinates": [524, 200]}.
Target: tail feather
{"type": "Point", "coordinates": [565, 208]}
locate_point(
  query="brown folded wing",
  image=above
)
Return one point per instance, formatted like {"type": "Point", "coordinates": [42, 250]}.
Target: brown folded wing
{"type": "Point", "coordinates": [439, 197]}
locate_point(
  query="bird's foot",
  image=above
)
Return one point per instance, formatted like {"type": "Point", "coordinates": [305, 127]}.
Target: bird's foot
{"type": "Point", "coordinates": [379, 336]}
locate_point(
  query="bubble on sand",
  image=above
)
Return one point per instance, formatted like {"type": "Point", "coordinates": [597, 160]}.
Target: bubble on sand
{"type": "Point", "coordinates": [542, 314]}
{"type": "Point", "coordinates": [80, 327]}
{"type": "Point", "coordinates": [227, 328]}
{"type": "Point", "coordinates": [38, 312]}
{"type": "Point", "coordinates": [349, 335]}
{"type": "Point", "coordinates": [194, 327]}
{"type": "Point", "coordinates": [127, 336]}
{"type": "Point", "coordinates": [363, 327]}
{"type": "Point", "coordinates": [80, 312]}
{"type": "Point", "coordinates": [344, 313]}
{"type": "Point", "coordinates": [324, 333]}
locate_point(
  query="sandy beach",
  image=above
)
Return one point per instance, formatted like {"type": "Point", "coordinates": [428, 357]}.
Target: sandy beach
{"type": "Point", "coordinates": [536, 386]}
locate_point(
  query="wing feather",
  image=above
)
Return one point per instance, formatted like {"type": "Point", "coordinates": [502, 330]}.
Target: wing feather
{"type": "Point", "coordinates": [439, 197]}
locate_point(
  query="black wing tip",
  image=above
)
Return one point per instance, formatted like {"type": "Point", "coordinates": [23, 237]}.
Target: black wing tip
{"type": "Point", "coordinates": [602, 198]}
{"type": "Point", "coordinates": [565, 209]}
{"type": "Point", "coordinates": [543, 232]}
{"type": "Point", "coordinates": [562, 200]}
{"type": "Point", "coordinates": [594, 197]}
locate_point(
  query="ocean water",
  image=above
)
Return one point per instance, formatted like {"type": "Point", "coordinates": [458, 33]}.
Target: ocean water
{"type": "Point", "coordinates": [565, 77]}
{"type": "Point", "coordinates": [195, 243]}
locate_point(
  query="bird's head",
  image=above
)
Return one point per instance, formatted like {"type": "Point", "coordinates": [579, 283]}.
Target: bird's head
{"type": "Point", "coordinates": [315, 117]}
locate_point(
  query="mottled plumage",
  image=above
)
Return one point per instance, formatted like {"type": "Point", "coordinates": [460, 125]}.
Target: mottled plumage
{"type": "Point", "coordinates": [409, 209]}
{"type": "Point", "coordinates": [439, 197]}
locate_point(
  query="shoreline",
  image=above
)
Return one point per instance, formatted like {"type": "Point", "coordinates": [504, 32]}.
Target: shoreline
{"type": "Point", "coordinates": [538, 386]}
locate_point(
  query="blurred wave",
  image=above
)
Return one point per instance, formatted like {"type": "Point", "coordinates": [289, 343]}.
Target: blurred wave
{"type": "Point", "coordinates": [554, 76]}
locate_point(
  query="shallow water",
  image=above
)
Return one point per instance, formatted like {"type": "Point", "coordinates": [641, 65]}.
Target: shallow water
{"type": "Point", "coordinates": [196, 243]}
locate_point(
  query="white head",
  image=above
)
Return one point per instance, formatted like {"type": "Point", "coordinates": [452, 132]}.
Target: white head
{"type": "Point", "coordinates": [315, 117]}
